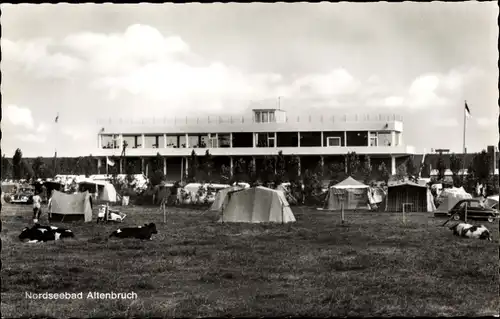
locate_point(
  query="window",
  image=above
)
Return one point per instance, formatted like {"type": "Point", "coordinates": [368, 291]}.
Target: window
{"type": "Point", "coordinates": [172, 141]}
{"type": "Point", "coordinates": [373, 139]}
{"type": "Point", "coordinates": [213, 141]}
{"type": "Point", "coordinates": [224, 140]}
{"type": "Point", "coordinates": [265, 118]}
{"type": "Point", "coordinates": [257, 117]}
{"type": "Point", "coordinates": [384, 139]}
{"type": "Point", "coordinates": [474, 205]}
{"type": "Point", "coordinates": [204, 141]}
{"type": "Point", "coordinates": [182, 141]}
{"type": "Point", "coordinates": [110, 141]}
{"type": "Point", "coordinates": [151, 141]}
{"type": "Point", "coordinates": [270, 140]}
{"type": "Point", "coordinates": [193, 141]}
{"type": "Point", "coordinates": [333, 141]}
{"type": "Point", "coordinates": [357, 138]}
{"type": "Point", "coordinates": [272, 119]}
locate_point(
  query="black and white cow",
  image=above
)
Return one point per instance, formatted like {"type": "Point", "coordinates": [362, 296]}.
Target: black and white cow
{"type": "Point", "coordinates": [471, 231]}
{"type": "Point", "coordinates": [39, 233]}
{"type": "Point", "coordinates": [140, 232]}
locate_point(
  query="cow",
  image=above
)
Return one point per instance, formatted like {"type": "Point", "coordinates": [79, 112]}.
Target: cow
{"type": "Point", "coordinates": [471, 231]}
{"type": "Point", "coordinates": [39, 233]}
{"type": "Point", "coordinates": [140, 232]}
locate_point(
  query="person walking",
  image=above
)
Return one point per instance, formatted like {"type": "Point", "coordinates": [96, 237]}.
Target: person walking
{"type": "Point", "coordinates": [37, 207]}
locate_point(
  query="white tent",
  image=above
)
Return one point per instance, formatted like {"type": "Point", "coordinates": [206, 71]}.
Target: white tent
{"type": "Point", "coordinates": [256, 205]}
{"type": "Point", "coordinates": [104, 191]}
{"type": "Point", "coordinates": [351, 193]}
{"type": "Point", "coordinates": [221, 196]}
{"type": "Point", "coordinates": [450, 196]}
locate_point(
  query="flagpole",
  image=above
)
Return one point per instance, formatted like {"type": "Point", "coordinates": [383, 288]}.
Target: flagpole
{"type": "Point", "coordinates": [55, 146]}
{"type": "Point", "coordinates": [465, 127]}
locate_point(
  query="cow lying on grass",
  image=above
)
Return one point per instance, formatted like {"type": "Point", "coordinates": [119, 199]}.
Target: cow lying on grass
{"type": "Point", "coordinates": [140, 232]}
{"type": "Point", "coordinates": [40, 233]}
{"type": "Point", "coordinates": [471, 231]}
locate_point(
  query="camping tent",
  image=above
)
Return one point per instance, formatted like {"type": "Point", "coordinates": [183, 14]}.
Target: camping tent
{"type": "Point", "coordinates": [256, 205]}
{"type": "Point", "coordinates": [71, 204]}
{"type": "Point", "coordinates": [492, 201]}
{"type": "Point", "coordinates": [418, 196]}
{"type": "Point", "coordinates": [450, 196]}
{"type": "Point", "coordinates": [221, 196]}
{"type": "Point", "coordinates": [105, 191]}
{"type": "Point", "coordinates": [350, 192]}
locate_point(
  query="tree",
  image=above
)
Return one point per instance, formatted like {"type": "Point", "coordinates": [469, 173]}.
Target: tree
{"type": "Point", "coordinates": [312, 188]}
{"type": "Point", "coordinates": [280, 169]}
{"type": "Point", "coordinates": [207, 167]}
{"type": "Point", "coordinates": [337, 173]}
{"type": "Point", "coordinates": [6, 168]}
{"type": "Point", "coordinates": [401, 173]}
{"type": "Point", "coordinates": [481, 165]}
{"type": "Point", "coordinates": [17, 160]}
{"type": "Point", "coordinates": [27, 171]}
{"type": "Point", "coordinates": [470, 180]}
{"type": "Point", "coordinates": [239, 169]}
{"type": "Point", "coordinates": [441, 168]}
{"type": "Point", "coordinates": [411, 169]}
{"type": "Point", "coordinates": [455, 167]}
{"type": "Point", "coordinates": [367, 170]}
{"type": "Point", "coordinates": [267, 171]}
{"type": "Point", "coordinates": [40, 169]}
{"type": "Point", "coordinates": [225, 174]}
{"type": "Point", "coordinates": [156, 175]}
{"type": "Point", "coordinates": [252, 172]}
{"type": "Point", "coordinates": [294, 177]}
{"type": "Point", "coordinates": [353, 163]}
{"type": "Point", "coordinates": [193, 168]}
{"type": "Point", "coordinates": [384, 173]}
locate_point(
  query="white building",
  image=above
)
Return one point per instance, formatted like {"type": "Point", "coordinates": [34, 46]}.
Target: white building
{"type": "Point", "coordinates": [313, 138]}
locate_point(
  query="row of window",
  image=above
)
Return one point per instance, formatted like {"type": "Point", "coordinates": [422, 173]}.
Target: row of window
{"type": "Point", "coordinates": [268, 139]}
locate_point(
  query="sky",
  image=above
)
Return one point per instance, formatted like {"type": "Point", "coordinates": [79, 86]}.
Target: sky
{"type": "Point", "coordinates": [87, 62]}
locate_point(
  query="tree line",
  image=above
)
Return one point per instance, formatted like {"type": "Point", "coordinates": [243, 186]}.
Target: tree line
{"type": "Point", "coordinates": [273, 171]}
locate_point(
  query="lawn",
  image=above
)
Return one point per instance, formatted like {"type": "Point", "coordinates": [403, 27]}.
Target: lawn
{"type": "Point", "coordinates": [374, 265]}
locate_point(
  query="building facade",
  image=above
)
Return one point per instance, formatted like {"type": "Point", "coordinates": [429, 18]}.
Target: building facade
{"type": "Point", "coordinates": [313, 138]}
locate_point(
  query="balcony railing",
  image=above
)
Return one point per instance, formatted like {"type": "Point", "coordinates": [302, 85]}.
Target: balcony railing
{"type": "Point", "coordinates": [217, 120]}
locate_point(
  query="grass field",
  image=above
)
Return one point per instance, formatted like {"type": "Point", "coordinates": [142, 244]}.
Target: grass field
{"type": "Point", "coordinates": [371, 266]}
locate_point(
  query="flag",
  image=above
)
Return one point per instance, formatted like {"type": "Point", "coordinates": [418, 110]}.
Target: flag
{"type": "Point", "coordinates": [467, 111]}
{"type": "Point", "coordinates": [57, 118]}
{"type": "Point", "coordinates": [109, 162]}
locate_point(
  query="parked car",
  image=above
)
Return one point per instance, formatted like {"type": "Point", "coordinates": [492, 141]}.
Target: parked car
{"type": "Point", "coordinates": [474, 211]}
{"type": "Point", "coordinates": [23, 196]}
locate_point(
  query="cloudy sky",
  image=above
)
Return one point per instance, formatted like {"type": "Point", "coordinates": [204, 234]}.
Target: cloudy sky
{"type": "Point", "coordinates": [420, 60]}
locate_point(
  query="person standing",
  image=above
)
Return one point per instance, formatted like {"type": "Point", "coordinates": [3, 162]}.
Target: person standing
{"type": "Point", "coordinates": [37, 207]}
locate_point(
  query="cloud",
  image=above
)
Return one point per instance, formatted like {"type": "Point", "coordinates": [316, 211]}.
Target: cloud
{"type": "Point", "coordinates": [37, 138]}
{"type": "Point", "coordinates": [447, 122]}
{"type": "Point", "coordinates": [486, 122]}
{"type": "Point", "coordinates": [75, 133]}
{"type": "Point", "coordinates": [33, 57]}
{"type": "Point", "coordinates": [19, 116]}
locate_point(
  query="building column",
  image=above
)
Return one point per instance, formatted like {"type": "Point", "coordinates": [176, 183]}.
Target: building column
{"type": "Point", "coordinates": [231, 140]}
{"type": "Point", "coordinates": [322, 139]}
{"type": "Point", "coordinates": [164, 140]}
{"type": "Point", "coordinates": [147, 169]}
{"type": "Point", "coordinates": [298, 139]}
{"type": "Point", "coordinates": [275, 139]}
{"type": "Point", "coordinates": [345, 139]}
{"type": "Point", "coordinates": [186, 167]}
{"type": "Point", "coordinates": [393, 138]}
{"type": "Point", "coordinates": [187, 142]}
{"type": "Point", "coordinates": [142, 165]}
{"type": "Point", "coordinates": [299, 166]}
{"type": "Point", "coordinates": [121, 166]}
{"type": "Point", "coordinates": [322, 164]}
{"type": "Point", "coordinates": [165, 166]}
{"type": "Point", "coordinates": [99, 141]}
{"type": "Point", "coordinates": [393, 165]}
{"type": "Point", "coordinates": [143, 141]}
{"type": "Point", "coordinates": [345, 163]}
{"type": "Point", "coordinates": [254, 139]}
{"type": "Point", "coordinates": [99, 164]}
{"type": "Point", "coordinates": [231, 166]}
{"type": "Point", "coordinates": [368, 139]}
